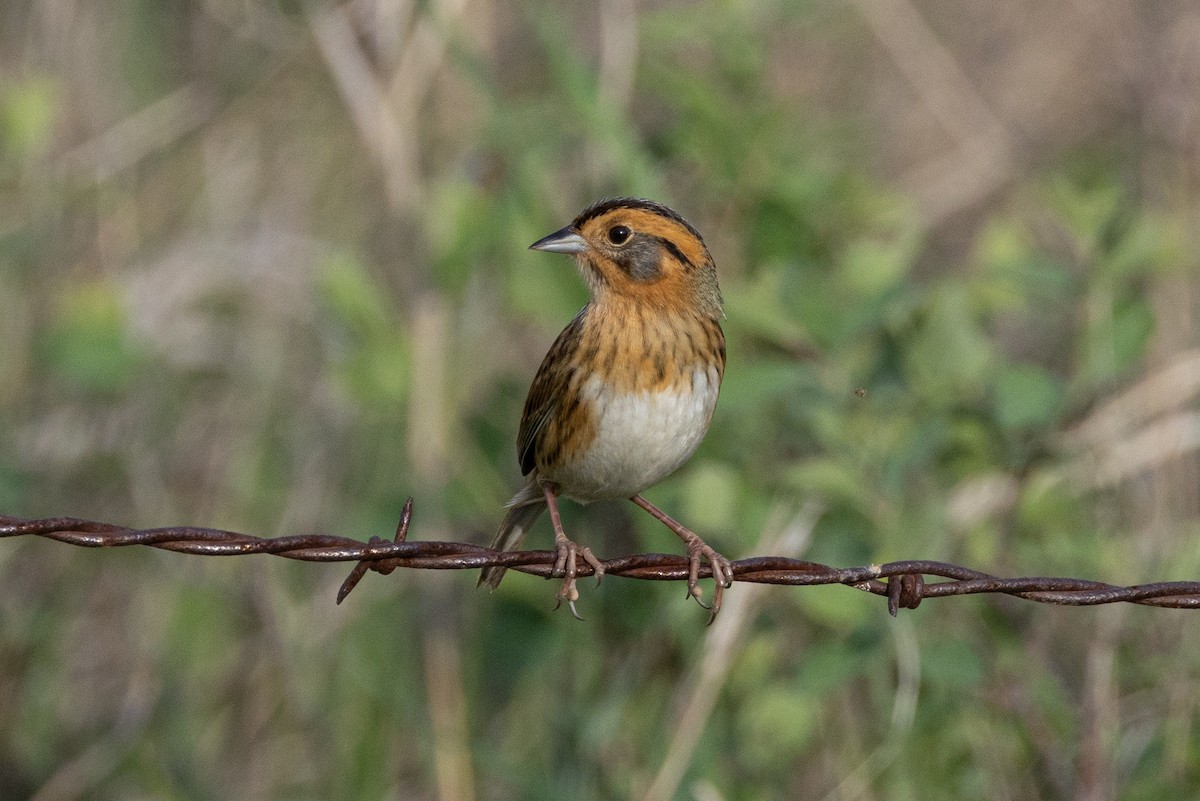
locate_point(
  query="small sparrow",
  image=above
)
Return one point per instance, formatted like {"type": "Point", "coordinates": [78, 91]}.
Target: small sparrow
{"type": "Point", "coordinates": [628, 389]}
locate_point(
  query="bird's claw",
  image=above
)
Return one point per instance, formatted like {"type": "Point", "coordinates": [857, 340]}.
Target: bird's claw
{"type": "Point", "coordinates": [722, 573]}
{"type": "Point", "coordinates": [565, 565]}
{"type": "Point", "coordinates": [569, 593]}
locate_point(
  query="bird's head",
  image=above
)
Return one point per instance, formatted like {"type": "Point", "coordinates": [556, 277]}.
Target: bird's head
{"type": "Point", "coordinates": [640, 250]}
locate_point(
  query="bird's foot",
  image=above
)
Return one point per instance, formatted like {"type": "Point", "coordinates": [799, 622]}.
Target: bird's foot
{"type": "Point", "coordinates": [722, 572]}
{"type": "Point", "coordinates": [565, 565]}
{"type": "Point", "coordinates": [722, 569]}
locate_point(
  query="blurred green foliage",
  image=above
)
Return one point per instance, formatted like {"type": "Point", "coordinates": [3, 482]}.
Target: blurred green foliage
{"type": "Point", "coordinates": [230, 301]}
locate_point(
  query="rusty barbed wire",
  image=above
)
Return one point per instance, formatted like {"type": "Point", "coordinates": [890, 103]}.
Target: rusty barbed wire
{"type": "Point", "coordinates": [902, 583]}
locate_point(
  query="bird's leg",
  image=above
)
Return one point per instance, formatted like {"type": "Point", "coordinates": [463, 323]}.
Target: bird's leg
{"type": "Point", "coordinates": [567, 554]}
{"type": "Point", "coordinates": [722, 570]}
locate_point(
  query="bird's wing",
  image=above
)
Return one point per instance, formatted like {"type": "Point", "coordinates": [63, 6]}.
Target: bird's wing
{"type": "Point", "coordinates": [547, 392]}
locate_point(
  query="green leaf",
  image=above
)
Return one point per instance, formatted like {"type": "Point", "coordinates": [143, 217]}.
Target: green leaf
{"type": "Point", "coordinates": [28, 112]}
{"type": "Point", "coordinates": [711, 494]}
{"type": "Point", "coordinates": [951, 663]}
{"type": "Point", "coordinates": [1027, 396]}
{"type": "Point", "coordinates": [828, 478]}
{"type": "Point", "coordinates": [350, 292]}
{"type": "Point", "coordinates": [758, 306]}
{"type": "Point", "coordinates": [775, 723]}
{"type": "Point", "coordinates": [829, 665]}
{"type": "Point", "coordinates": [872, 267]}
{"type": "Point", "coordinates": [87, 344]}
{"type": "Point", "coordinates": [949, 357]}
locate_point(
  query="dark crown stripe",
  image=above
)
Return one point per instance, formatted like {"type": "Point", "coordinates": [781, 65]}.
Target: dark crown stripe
{"type": "Point", "coordinates": [605, 206]}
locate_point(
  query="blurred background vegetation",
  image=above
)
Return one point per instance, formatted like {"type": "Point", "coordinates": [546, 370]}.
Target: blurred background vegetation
{"type": "Point", "coordinates": [263, 267]}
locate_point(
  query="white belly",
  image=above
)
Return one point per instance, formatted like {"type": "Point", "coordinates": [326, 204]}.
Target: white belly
{"type": "Point", "coordinates": [641, 437]}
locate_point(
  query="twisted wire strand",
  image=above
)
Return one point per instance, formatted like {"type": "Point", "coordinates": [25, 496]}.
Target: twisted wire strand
{"type": "Point", "coordinates": [902, 583]}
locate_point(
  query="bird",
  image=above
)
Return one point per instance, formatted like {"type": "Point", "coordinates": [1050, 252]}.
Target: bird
{"type": "Point", "coordinates": [627, 391]}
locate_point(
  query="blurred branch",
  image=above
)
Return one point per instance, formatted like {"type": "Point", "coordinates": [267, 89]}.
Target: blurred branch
{"type": "Point", "coordinates": [423, 56]}
{"type": "Point", "coordinates": [720, 647]}
{"type": "Point", "coordinates": [983, 158]}
{"type": "Point", "coordinates": [618, 54]}
{"type": "Point", "coordinates": [1145, 426]}
{"type": "Point", "coordinates": [1151, 446]}
{"type": "Point", "coordinates": [903, 583]}
{"type": "Point", "coordinates": [154, 128]}
{"type": "Point", "coordinates": [453, 771]}
{"type": "Point", "coordinates": [385, 98]}
{"type": "Point", "coordinates": [382, 129]}
{"type": "Point", "coordinates": [858, 781]}
{"type": "Point", "coordinates": [931, 69]}
{"type": "Point", "coordinates": [1172, 387]}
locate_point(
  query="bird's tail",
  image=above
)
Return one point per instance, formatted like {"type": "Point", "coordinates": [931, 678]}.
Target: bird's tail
{"type": "Point", "coordinates": [525, 508]}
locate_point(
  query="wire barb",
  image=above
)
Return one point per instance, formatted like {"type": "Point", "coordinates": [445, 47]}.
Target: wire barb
{"type": "Point", "coordinates": [902, 583]}
{"type": "Point", "coordinates": [364, 565]}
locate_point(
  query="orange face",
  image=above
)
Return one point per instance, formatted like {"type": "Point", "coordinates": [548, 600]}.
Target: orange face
{"type": "Point", "coordinates": [638, 250]}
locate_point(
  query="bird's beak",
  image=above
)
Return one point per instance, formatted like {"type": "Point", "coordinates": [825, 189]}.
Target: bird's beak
{"type": "Point", "coordinates": [564, 240]}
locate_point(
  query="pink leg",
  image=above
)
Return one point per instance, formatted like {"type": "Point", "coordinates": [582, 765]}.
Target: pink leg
{"type": "Point", "coordinates": [722, 571]}
{"type": "Point", "coordinates": [567, 554]}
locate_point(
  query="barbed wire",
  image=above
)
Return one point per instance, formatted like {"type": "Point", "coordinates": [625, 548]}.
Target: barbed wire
{"type": "Point", "coordinates": [902, 583]}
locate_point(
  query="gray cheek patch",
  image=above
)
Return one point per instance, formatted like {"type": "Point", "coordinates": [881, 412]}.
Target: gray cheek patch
{"type": "Point", "coordinates": [641, 258]}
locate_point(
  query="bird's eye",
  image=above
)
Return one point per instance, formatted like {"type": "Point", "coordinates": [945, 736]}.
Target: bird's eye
{"type": "Point", "coordinates": [619, 234]}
